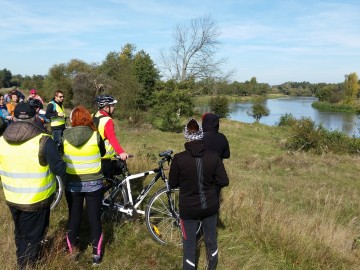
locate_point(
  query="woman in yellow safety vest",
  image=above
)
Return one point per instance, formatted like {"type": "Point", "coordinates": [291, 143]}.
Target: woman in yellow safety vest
{"type": "Point", "coordinates": [83, 148]}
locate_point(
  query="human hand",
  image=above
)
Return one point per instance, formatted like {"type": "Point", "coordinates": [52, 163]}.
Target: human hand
{"type": "Point", "coordinates": [61, 114]}
{"type": "Point", "coordinates": [124, 156]}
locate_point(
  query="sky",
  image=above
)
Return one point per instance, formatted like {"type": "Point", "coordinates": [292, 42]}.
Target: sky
{"type": "Point", "coordinates": [275, 41]}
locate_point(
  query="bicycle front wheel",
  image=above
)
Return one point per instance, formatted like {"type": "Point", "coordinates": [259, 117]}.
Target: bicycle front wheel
{"type": "Point", "coordinates": [163, 223]}
{"type": "Point", "coordinates": [58, 192]}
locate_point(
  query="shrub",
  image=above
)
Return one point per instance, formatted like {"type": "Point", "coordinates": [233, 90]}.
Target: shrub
{"type": "Point", "coordinates": [286, 120]}
{"type": "Point", "coordinates": [219, 105]}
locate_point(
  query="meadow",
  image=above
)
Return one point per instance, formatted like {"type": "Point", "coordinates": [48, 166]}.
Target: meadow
{"type": "Point", "coordinates": [282, 210]}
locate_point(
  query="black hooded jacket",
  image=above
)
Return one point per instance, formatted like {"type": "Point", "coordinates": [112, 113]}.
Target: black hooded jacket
{"type": "Point", "coordinates": [213, 138]}
{"type": "Point", "coordinates": [200, 173]}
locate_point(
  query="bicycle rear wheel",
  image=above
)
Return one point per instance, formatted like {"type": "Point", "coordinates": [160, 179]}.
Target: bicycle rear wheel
{"type": "Point", "coordinates": [58, 192]}
{"type": "Point", "coordinates": [114, 198]}
{"type": "Point", "coordinates": [162, 224]}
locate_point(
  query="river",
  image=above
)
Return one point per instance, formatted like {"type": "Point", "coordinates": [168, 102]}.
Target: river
{"type": "Point", "coordinates": [348, 123]}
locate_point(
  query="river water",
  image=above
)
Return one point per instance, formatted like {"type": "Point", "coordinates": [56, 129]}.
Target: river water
{"type": "Point", "coordinates": [348, 123]}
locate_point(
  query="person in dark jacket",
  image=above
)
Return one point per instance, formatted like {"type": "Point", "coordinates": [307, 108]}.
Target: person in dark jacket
{"type": "Point", "coordinates": [29, 162]}
{"type": "Point", "coordinates": [199, 173]}
{"type": "Point", "coordinates": [83, 148]}
{"type": "Point", "coordinates": [213, 138]}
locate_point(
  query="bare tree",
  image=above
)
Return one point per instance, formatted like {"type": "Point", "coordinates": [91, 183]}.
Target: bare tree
{"type": "Point", "coordinates": [193, 52]}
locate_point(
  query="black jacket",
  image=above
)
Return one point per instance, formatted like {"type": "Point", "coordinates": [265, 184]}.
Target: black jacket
{"type": "Point", "coordinates": [213, 138]}
{"type": "Point", "coordinates": [200, 174]}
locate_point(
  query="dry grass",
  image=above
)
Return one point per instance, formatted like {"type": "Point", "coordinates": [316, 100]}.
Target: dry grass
{"type": "Point", "coordinates": [281, 210]}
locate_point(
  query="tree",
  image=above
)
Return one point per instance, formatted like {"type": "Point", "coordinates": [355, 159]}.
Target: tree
{"type": "Point", "coordinates": [259, 109]}
{"type": "Point", "coordinates": [5, 78]}
{"type": "Point", "coordinates": [351, 87]}
{"type": "Point", "coordinates": [194, 50]}
{"type": "Point", "coordinates": [219, 105]}
{"type": "Point", "coordinates": [147, 75]}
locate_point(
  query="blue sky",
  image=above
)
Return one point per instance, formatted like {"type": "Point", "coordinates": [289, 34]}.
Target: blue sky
{"type": "Point", "coordinates": [273, 40]}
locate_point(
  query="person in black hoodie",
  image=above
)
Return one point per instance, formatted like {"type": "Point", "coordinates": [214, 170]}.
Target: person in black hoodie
{"type": "Point", "coordinates": [213, 138]}
{"type": "Point", "coordinates": [199, 173]}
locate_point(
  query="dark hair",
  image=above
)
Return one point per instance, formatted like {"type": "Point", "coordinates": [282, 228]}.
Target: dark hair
{"type": "Point", "coordinates": [80, 116]}
{"type": "Point", "coordinates": [193, 126]}
{"type": "Point", "coordinates": [57, 92]}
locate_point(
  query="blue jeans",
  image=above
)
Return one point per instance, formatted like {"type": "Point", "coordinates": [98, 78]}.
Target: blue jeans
{"type": "Point", "coordinates": [189, 228]}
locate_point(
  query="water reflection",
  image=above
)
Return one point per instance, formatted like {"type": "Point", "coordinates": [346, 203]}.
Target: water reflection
{"type": "Point", "coordinates": [299, 107]}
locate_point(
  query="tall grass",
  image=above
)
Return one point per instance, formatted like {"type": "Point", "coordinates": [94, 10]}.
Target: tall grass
{"type": "Point", "coordinates": [281, 211]}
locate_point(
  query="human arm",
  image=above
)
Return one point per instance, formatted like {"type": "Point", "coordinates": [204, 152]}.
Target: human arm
{"type": "Point", "coordinates": [174, 173]}
{"type": "Point", "coordinates": [226, 153]}
{"type": "Point", "coordinates": [53, 158]}
{"type": "Point", "coordinates": [110, 135]}
{"type": "Point", "coordinates": [50, 112]}
{"type": "Point", "coordinates": [221, 177]}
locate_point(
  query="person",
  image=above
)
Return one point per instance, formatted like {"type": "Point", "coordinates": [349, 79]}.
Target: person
{"type": "Point", "coordinates": [213, 138]}
{"type": "Point", "coordinates": [39, 113]}
{"type": "Point", "coordinates": [34, 95]}
{"type": "Point", "coordinates": [28, 181]}
{"type": "Point", "coordinates": [16, 91]}
{"type": "Point", "coordinates": [105, 124]}
{"type": "Point", "coordinates": [4, 113]}
{"type": "Point", "coordinates": [199, 173]}
{"type": "Point", "coordinates": [56, 113]}
{"type": "Point", "coordinates": [14, 100]}
{"type": "Point", "coordinates": [83, 147]}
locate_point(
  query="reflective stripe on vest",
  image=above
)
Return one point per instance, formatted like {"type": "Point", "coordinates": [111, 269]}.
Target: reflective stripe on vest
{"type": "Point", "coordinates": [110, 152]}
{"type": "Point", "coordinates": [24, 180]}
{"type": "Point", "coordinates": [85, 159]}
{"type": "Point", "coordinates": [57, 121]}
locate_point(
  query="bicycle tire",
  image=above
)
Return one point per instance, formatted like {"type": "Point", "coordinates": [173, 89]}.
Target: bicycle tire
{"type": "Point", "coordinates": [162, 226]}
{"type": "Point", "coordinates": [109, 209]}
{"type": "Point", "coordinates": [58, 192]}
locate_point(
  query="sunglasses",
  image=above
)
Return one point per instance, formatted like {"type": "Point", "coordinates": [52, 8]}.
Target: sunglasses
{"type": "Point", "coordinates": [60, 96]}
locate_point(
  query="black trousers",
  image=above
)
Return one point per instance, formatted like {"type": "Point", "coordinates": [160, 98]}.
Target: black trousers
{"type": "Point", "coordinates": [75, 202]}
{"type": "Point", "coordinates": [189, 228]}
{"type": "Point", "coordinates": [30, 229]}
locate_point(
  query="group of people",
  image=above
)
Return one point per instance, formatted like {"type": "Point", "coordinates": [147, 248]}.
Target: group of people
{"type": "Point", "coordinates": [82, 156]}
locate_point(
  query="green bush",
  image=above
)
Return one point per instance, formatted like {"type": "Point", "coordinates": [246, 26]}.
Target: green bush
{"type": "Point", "coordinates": [219, 105]}
{"type": "Point", "coordinates": [286, 120]}
{"type": "Point", "coordinates": [306, 135]}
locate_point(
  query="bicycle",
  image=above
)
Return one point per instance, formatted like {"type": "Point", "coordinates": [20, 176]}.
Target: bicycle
{"type": "Point", "coordinates": [161, 212]}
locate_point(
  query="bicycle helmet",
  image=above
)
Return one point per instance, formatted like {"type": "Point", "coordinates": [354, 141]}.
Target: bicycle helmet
{"type": "Point", "coordinates": [104, 100]}
{"type": "Point", "coordinates": [35, 103]}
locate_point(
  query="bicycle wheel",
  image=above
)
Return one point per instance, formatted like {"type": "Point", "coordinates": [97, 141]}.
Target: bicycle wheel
{"type": "Point", "coordinates": [114, 198]}
{"type": "Point", "coordinates": [58, 192]}
{"type": "Point", "coordinates": [160, 222]}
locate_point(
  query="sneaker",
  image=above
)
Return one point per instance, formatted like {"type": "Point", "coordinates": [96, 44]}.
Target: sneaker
{"type": "Point", "coordinates": [96, 260]}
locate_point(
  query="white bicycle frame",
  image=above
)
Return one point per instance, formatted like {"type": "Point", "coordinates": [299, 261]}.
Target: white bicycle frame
{"type": "Point", "coordinates": [140, 198]}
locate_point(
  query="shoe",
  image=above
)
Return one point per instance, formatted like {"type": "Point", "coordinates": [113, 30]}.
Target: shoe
{"type": "Point", "coordinates": [96, 260]}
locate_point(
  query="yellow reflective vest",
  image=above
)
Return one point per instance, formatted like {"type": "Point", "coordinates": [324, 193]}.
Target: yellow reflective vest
{"type": "Point", "coordinates": [83, 160]}
{"type": "Point", "coordinates": [57, 121]}
{"type": "Point", "coordinates": [24, 180]}
{"type": "Point", "coordinates": [110, 152]}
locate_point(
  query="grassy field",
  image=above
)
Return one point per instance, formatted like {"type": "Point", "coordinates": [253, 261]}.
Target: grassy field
{"type": "Point", "coordinates": [282, 210]}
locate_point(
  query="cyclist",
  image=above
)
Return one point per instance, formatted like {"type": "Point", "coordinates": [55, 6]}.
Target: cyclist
{"type": "Point", "coordinates": [199, 173]}
{"type": "Point", "coordinates": [105, 124]}
{"type": "Point", "coordinates": [56, 113]}
{"type": "Point", "coordinates": [83, 148]}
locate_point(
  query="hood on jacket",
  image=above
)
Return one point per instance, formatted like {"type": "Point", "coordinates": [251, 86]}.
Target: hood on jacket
{"type": "Point", "coordinates": [77, 136]}
{"type": "Point", "coordinates": [195, 148]}
{"type": "Point", "coordinates": [20, 132]}
{"type": "Point", "coordinates": [210, 122]}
